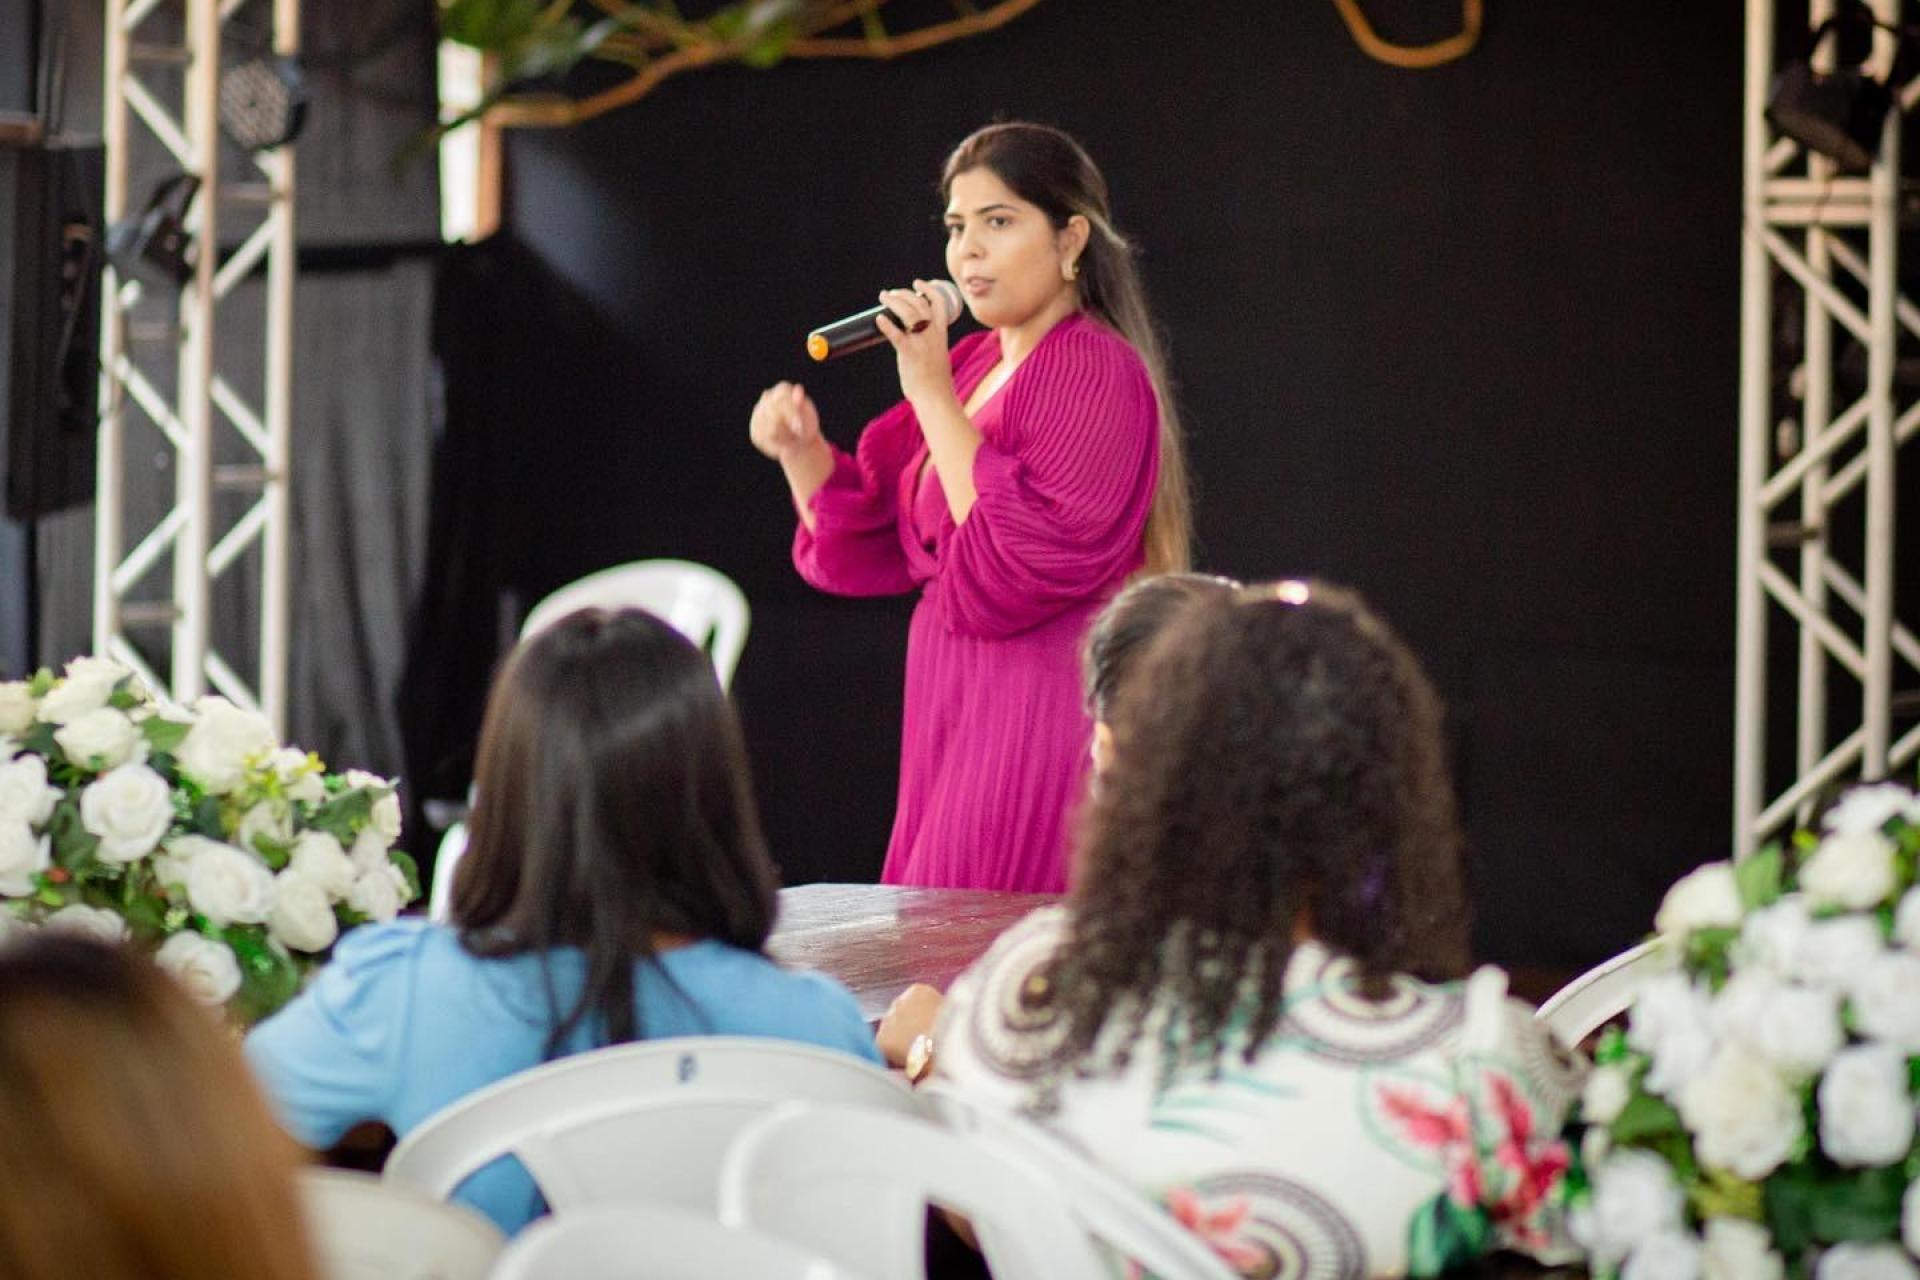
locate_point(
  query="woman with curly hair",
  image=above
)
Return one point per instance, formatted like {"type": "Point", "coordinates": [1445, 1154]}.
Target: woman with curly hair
{"type": "Point", "coordinates": [1226, 1011]}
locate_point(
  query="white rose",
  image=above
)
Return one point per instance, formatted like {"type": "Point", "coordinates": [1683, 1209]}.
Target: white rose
{"type": "Point", "coordinates": [264, 819]}
{"type": "Point", "coordinates": [1852, 871]}
{"type": "Point", "coordinates": [302, 914]}
{"type": "Point", "coordinates": [104, 735]}
{"type": "Point", "coordinates": [223, 741]}
{"type": "Point", "coordinates": [1669, 1023]}
{"type": "Point", "coordinates": [88, 684]}
{"type": "Point", "coordinates": [1671, 1255]}
{"type": "Point", "coordinates": [129, 808]}
{"type": "Point", "coordinates": [170, 864]}
{"type": "Point", "coordinates": [1634, 1199]}
{"type": "Point", "coordinates": [24, 793]}
{"type": "Point", "coordinates": [1910, 1218]}
{"type": "Point", "coordinates": [204, 966]}
{"type": "Point", "coordinates": [1795, 1029]}
{"type": "Point", "coordinates": [1771, 937]}
{"type": "Point", "coordinates": [1835, 950]}
{"type": "Point", "coordinates": [1595, 1143]}
{"type": "Point", "coordinates": [299, 775]}
{"type": "Point", "coordinates": [1705, 898]}
{"type": "Point", "coordinates": [1739, 1250]}
{"type": "Point", "coordinates": [17, 708]}
{"type": "Point", "coordinates": [1743, 1117]}
{"type": "Point", "coordinates": [319, 857]}
{"type": "Point", "coordinates": [1866, 1117]}
{"type": "Point", "coordinates": [1869, 809]}
{"type": "Point", "coordinates": [1885, 995]}
{"type": "Point", "coordinates": [1605, 1095]}
{"type": "Point", "coordinates": [96, 923]}
{"type": "Point", "coordinates": [22, 855]}
{"type": "Point", "coordinates": [386, 809]}
{"type": "Point", "coordinates": [228, 886]}
{"type": "Point", "coordinates": [369, 850]}
{"type": "Point", "coordinates": [1854, 1261]}
{"type": "Point", "coordinates": [379, 894]}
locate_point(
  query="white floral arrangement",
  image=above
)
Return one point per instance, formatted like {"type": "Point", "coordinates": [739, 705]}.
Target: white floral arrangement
{"type": "Point", "coordinates": [190, 831]}
{"type": "Point", "coordinates": [1757, 1116]}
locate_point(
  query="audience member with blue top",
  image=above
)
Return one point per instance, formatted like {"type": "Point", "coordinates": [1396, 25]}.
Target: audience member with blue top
{"type": "Point", "coordinates": [617, 887]}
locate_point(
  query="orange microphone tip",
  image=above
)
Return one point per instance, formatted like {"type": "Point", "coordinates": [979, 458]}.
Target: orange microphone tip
{"type": "Point", "coordinates": [817, 345]}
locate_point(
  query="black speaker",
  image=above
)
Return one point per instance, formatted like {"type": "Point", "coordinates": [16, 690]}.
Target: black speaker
{"type": "Point", "coordinates": [50, 260]}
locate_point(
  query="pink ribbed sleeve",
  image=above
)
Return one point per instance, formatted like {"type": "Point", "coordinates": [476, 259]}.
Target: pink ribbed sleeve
{"type": "Point", "coordinates": [1064, 487]}
{"type": "Point", "coordinates": [853, 548]}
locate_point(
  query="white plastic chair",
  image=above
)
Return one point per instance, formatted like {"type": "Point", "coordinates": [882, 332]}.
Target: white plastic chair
{"type": "Point", "coordinates": [647, 1122]}
{"type": "Point", "coordinates": [653, 1242]}
{"type": "Point", "coordinates": [1602, 993]}
{"type": "Point", "coordinates": [702, 604]}
{"type": "Point", "coordinates": [855, 1185]}
{"type": "Point", "coordinates": [1109, 1210]}
{"type": "Point", "coordinates": [366, 1229]}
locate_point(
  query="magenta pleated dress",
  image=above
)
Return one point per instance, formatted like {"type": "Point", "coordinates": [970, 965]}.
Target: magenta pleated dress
{"type": "Point", "coordinates": [993, 748]}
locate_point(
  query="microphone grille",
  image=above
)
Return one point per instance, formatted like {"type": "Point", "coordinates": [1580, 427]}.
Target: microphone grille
{"type": "Point", "coordinates": [949, 297]}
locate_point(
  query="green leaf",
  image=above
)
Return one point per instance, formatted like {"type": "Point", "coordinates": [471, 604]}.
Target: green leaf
{"type": "Point", "coordinates": [1645, 1117]}
{"type": "Point", "coordinates": [39, 740]}
{"type": "Point", "coordinates": [489, 24]}
{"type": "Point", "coordinates": [164, 735]}
{"type": "Point", "coordinates": [276, 853]}
{"type": "Point", "coordinates": [123, 698]}
{"type": "Point", "coordinates": [409, 871]}
{"type": "Point", "coordinates": [269, 976]}
{"type": "Point", "coordinates": [1759, 877]}
{"type": "Point", "coordinates": [1612, 1046]}
{"type": "Point", "coordinates": [205, 819]}
{"type": "Point", "coordinates": [41, 684]}
{"type": "Point", "coordinates": [342, 816]}
{"type": "Point", "coordinates": [1444, 1235]}
{"type": "Point", "coordinates": [1707, 953]}
{"type": "Point", "coordinates": [73, 845]}
{"type": "Point", "coordinates": [1805, 1205]}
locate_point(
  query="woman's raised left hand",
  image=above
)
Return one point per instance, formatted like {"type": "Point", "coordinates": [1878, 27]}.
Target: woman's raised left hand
{"type": "Point", "coordinates": [926, 377]}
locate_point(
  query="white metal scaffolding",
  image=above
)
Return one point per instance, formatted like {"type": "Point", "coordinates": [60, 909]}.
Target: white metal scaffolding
{"type": "Point", "coordinates": [160, 592]}
{"type": "Point", "coordinates": [1816, 521]}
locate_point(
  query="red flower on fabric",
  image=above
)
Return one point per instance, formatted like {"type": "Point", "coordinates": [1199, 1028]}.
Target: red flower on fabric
{"type": "Point", "coordinates": [1536, 1171]}
{"type": "Point", "coordinates": [1223, 1229]}
{"type": "Point", "coordinates": [1447, 1131]}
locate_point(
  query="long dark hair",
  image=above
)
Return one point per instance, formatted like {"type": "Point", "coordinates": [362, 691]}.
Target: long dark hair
{"type": "Point", "coordinates": [613, 805]}
{"type": "Point", "coordinates": [1280, 758]}
{"type": "Point", "coordinates": [1049, 170]}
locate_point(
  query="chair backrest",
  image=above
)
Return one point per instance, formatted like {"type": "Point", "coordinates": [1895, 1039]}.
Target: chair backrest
{"type": "Point", "coordinates": [635, 1122]}
{"type": "Point", "coordinates": [1602, 993]}
{"type": "Point", "coordinates": [855, 1185]}
{"type": "Point", "coordinates": [1113, 1213]}
{"type": "Point", "coordinates": [653, 1242]}
{"type": "Point", "coordinates": [453, 847]}
{"type": "Point", "coordinates": [364, 1228]}
{"type": "Point", "coordinates": [702, 604]}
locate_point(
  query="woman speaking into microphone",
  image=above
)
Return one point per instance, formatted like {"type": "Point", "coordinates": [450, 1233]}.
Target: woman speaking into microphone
{"type": "Point", "coordinates": [1027, 473]}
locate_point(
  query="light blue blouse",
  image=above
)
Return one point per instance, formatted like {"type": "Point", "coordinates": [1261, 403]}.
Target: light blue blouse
{"type": "Point", "coordinates": [404, 1021]}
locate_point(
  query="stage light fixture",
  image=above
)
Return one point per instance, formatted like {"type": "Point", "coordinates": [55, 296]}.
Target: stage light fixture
{"type": "Point", "coordinates": [263, 101]}
{"type": "Point", "coordinates": [1839, 112]}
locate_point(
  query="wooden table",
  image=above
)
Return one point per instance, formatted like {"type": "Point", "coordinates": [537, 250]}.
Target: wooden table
{"type": "Point", "coordinates": [880, 938]}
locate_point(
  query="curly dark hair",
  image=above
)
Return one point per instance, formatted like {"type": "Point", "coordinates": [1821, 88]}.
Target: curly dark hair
{"type": "Point", "coordinates": [1280, 764]}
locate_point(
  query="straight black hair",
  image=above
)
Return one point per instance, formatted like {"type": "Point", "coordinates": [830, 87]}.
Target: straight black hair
{"type": "Point", "coordinates": [614, 807]}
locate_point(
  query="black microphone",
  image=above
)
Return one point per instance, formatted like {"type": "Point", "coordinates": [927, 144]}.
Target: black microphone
{"type": "Point", "coordinates": [862, 330]}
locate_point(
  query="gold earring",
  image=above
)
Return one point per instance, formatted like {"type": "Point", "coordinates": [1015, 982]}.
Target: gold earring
{"type": "Point", "coordinates": [1070, 270]}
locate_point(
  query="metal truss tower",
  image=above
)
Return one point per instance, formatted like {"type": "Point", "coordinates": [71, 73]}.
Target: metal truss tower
{"type": "Point", "coordinates": [1816, 516]}
{"type": "Point", "coordinates": [160, 366]}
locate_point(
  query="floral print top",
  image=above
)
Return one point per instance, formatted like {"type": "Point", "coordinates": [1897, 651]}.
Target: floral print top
{"type": "Point", "coordinates": [1398, 1136]}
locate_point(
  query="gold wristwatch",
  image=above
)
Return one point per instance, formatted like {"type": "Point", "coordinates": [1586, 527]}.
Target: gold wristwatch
{"type": "Point", "coordinates": [919, 1058]}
